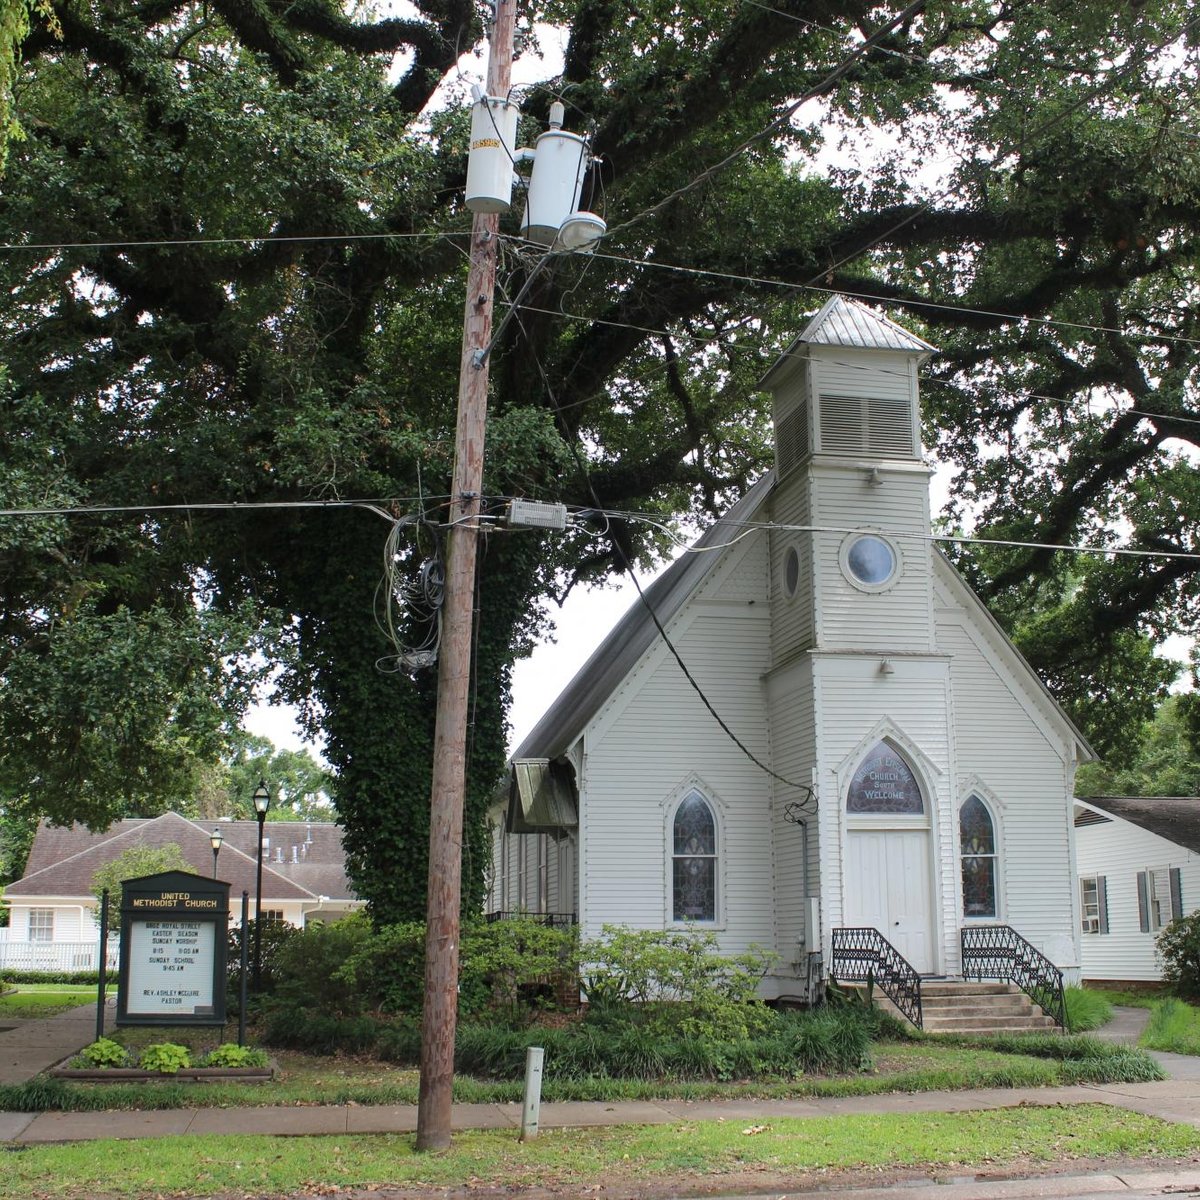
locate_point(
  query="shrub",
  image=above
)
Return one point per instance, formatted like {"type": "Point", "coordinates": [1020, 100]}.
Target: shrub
{"type": "Point", "coordinates": [319, 1034]}
{"type": "Point", "coordinates": [513, 967]}
{"type": "Point", "coordinates": [676, 983]}
{"type": "Point", "coordinates": [275, 935]}
{"type": "Point", "coordinates": [308, 966]}
{"type": "Point", "coordinates": [165, 1057]}
{"type": "Point", "coordinates": [1178, 947]}
{"type": "Point", "coordinates": [229, 1054]}
{"type": "Point", "coordinates": [104, 1053]}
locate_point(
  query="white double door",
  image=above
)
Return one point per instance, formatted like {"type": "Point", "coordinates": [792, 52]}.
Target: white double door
{"type": "Point", "coordinates": [888, 888]}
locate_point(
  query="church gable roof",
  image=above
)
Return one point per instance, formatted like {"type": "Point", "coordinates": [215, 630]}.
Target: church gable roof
{"type": "Point", "coordinates": [634, 633]}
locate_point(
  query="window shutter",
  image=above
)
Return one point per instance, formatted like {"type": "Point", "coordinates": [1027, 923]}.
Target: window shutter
{"type": "Point", "coordinates": [1176, 894]}
{"type": "Point", "coordinates": [1102, 902]}
{"type": "Point", "coordinates": [1143, 891]}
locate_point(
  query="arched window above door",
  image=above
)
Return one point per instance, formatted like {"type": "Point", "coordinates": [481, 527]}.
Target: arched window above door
{"type": "Point", "coordinates": [694, 860]}
{"type": "Point", "coordinates": [885, 783]}
{"type": "Point", "coordinates": [977, 842]}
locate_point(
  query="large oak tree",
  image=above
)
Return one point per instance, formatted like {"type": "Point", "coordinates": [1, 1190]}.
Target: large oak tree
{"type": "Point", "coordinates": [234, 273]}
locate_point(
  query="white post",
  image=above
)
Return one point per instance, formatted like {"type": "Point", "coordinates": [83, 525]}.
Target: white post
{"type": "Point", "coordinates": [533, 1093]}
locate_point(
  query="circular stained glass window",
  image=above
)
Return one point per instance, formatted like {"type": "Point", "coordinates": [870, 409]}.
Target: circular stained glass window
{"type": "Point", "coordinates": [871, 561]}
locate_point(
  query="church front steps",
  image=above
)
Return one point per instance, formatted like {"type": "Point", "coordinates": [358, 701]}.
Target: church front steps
{"type": "Point", "coordinates": [948, 1006]}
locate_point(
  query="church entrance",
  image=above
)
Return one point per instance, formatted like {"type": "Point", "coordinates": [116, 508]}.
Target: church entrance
{"type": "Point", "coordinates": [888, 881]}
{"type": "Point", "coordinates": [888, 888]}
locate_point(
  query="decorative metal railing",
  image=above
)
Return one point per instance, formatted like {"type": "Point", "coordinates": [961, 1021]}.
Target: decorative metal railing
{"type": "Point", "coordinates": [550, 920]}
{"type": "Point", "coordinates": [864, 955]}
{"type": "Point", "coordinates": [1000, 952]}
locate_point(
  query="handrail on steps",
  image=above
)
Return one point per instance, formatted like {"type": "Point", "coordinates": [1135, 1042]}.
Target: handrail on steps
{"type": "Point", "coordinates": [1000, 952]}
{"type": "Point", "coordinates": [864, 955]}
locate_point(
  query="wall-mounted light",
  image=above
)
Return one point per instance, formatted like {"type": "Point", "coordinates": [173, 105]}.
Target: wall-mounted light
{"type": "Point", "coordinates": [885, 667]}
{"type": "Point", "coordinates": [874, 479]}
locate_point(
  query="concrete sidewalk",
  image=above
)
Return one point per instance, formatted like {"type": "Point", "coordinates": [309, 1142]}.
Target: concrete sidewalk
{"type": "Point", "coordinates": [29, 1047]}
{"type": "Point", "coordinates": [1175, 1100]}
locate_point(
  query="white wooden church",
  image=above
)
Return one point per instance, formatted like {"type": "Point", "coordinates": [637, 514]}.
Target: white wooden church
{"type": "Point", "coordinates": [913, 776]}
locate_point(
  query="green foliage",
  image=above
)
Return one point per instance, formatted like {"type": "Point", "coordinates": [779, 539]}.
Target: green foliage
{"type": "Point", "coordinates": [1165, 762]}
{"type": "Point", "coordinates": [104, 1053]}
{"type": "Point", "coordinates": [275, 935]}
{"type": "Point", "coordinates": [307, 966]}
{"type": "Point", "coordinates": [230, 1054]}
{"type": "Point", "coordinates": [167, 1058]}
{"type": "Point", "coordinates": [133, 863]}
{"type": "Point", "coordinates": [1174, 1026]}
{"type": "Point", "coordinates": [1086, 1009]}
{"type": "Point", "coordinates": [1178, 948]}
{"type": "Point", "coordinates": [300, 786]}
{"type": "Point", "coordinates": [675, 982]}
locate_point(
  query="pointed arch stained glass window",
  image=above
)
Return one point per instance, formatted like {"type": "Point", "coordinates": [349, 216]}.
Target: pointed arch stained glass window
{"type": "Point", "coordinates": [885, 783]}
{"type": "Point", "coordinates": [977, 839]}
{"type": "Point", "coordinates": [694, 860]}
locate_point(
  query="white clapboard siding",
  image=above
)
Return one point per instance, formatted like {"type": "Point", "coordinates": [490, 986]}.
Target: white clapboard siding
{"type": "Point", "coordinates": [654, 740]}
{"type": "Point", "coordinates": [899, 618]}
{"type": "Point", "coordinates": [1118, 850]}
{"type": "Point", "coordinates": [792, 723]}
{"type": "Point", "coordinates": [791, 616]}
{"type": "Point", "coordinates": [998, 708]}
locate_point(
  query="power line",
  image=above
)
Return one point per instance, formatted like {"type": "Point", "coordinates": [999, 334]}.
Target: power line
{"type": "Point", "coordinates": [79, 510]}
{"type": "Point", "coordinates": [260, 240]}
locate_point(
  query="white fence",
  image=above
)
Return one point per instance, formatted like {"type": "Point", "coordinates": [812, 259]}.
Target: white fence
{"type": "Point", "coordinates": [56, 956]}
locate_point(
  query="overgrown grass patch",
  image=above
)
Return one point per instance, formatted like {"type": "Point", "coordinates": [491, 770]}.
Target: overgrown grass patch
{"type": "Point", "coordinates": [1173, 1027]}
{"type": "Point", "coordinates": [1086, 1010]}
{"type": "Point", "coordinates": [571, 1160]}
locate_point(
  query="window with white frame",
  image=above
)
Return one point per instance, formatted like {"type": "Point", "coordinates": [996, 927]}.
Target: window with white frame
{"type": "Point", "coordinates": [41, 924]}
{"type": "Point", "coordinates": [694, 860]}
{"type": "Point", "coordinates": [1159, 898]}
{"type": "Point", "coordinates": [977, 842]}
{"type": "Point", "coordinates": [1093, 903]}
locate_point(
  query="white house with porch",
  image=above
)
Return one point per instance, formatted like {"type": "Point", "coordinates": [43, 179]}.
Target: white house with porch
{"type": "Point", "coordinates": [889, 781]}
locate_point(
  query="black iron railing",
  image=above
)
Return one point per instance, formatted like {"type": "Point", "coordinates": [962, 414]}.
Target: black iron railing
{"type": "Point", "coordinates": [550, 920]}
{"type": "Point", "coordinates": [1000, 952]}
{"type": "Point", "coordinates": [864, 955]}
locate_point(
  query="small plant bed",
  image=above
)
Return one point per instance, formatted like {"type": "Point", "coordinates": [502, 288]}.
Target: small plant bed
{"type": "Point", "coordinates": [109, 1061]}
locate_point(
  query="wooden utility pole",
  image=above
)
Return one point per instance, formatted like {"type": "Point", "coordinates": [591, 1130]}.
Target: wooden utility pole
{"type": "Point", "coordinates": [439, 1015]}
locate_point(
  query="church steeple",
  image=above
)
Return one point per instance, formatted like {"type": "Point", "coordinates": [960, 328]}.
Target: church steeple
{"type": "Point", "coordinates": [847, 387]}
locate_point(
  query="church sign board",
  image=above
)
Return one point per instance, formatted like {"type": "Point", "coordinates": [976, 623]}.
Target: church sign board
{"type": "Point", "coordinates": [174, 944]}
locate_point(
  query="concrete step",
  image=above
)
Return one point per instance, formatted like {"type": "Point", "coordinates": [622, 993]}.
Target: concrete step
{"type": "Point", "coordinates": [986, 1023]}
{"type": "Point", "coordinates": [950, 1006]}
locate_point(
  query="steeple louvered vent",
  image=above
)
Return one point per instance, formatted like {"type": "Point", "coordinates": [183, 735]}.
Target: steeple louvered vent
{"type": "Point", "coordinates": [869, 425]}
{"type": "Point", "coordinates": [791, 439]}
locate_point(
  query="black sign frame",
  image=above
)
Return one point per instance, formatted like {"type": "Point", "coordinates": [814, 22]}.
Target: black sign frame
{"type": "Point", "coordinates": [173, 896]}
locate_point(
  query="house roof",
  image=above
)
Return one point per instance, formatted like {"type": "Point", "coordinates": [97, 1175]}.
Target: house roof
{"type": "Point", "coordinates": [63, 860]}
{"type": "Point", "coordinates": [633, 634]}
{"type": "Point", "coordinates": [1176, 818]}
{"type": "Point", "coordinates": [843, 322]}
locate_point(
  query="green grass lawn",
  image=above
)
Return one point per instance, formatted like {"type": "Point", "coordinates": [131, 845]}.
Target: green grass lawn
{"type": "Point", "coordinates": [44, 999]}
{"type": "Point", "coordinates": [698, 1155]}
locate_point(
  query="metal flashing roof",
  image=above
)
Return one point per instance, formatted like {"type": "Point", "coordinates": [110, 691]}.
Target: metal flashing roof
{"type": "Point", "coordinates": [541, 797]}
{"type": "Point", "coordinates": [632, 636]}
{"type": "Point", "coordinates": [843, 322]}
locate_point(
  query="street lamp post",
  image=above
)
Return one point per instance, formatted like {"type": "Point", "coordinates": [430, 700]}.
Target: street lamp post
{"type": "Point", "coordinates": [262, 801]}
{"type": "Point", "coordinates": [215, 841]}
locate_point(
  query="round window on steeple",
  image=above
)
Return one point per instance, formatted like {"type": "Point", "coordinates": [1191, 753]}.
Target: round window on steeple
{"type": "Point", "coordinates": [870, 561]}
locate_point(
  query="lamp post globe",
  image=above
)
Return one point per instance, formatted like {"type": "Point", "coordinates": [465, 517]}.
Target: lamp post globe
{"type": "Point", "coordinates": [262, 802]}
{"type": "Point", "coordinates": [215, 839]}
